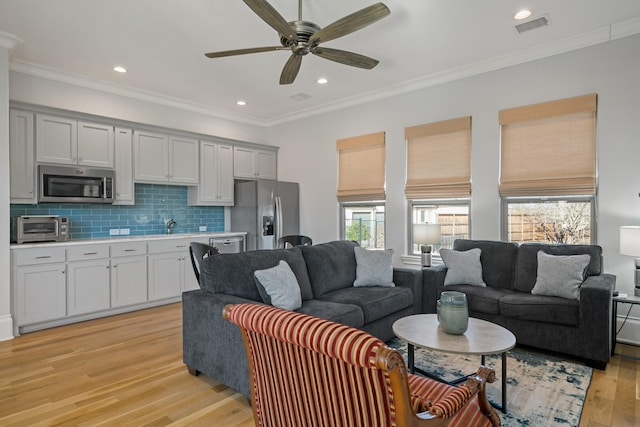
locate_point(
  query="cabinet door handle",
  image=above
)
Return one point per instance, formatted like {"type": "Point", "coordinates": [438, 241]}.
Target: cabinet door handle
{"type": "Point", "coordinates": [43, 257]}
{"type": "Point", "coordinates": [91, 253]}
{"type": "Point", "coordinates": [181, 246]}
{"type": "Point", "coordinates": [129, 250]}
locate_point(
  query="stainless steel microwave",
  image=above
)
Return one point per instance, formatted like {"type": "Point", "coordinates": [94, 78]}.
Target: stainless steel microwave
{"type": "Point", "coordinates": [40, 228]}
{"type": "Point", "coordinates": [72, 184]}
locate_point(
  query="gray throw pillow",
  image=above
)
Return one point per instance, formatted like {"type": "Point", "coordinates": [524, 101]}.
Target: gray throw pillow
{"type": "Point", "coordinates": [373, 268]}
{"type": "Point", "coordinates": [560, 275]}
{"type": "Point", "coordinates": [280, 284]}
{"type": "Point", "coordinates": [463, 267]}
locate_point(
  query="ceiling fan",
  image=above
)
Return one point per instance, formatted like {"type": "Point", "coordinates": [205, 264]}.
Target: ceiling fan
{"type": "Point", "coordinates": [303, 37]}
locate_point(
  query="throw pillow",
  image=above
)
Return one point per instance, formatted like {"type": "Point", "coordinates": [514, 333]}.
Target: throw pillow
{"type": "Point", "coordinates": [280, 285]}
{"type": "Point", "coordinates": [463, 267]}
{"type": "Point", "coordinates": [560, 275]}
{"type": "Point", "coordinates": [373, 268]}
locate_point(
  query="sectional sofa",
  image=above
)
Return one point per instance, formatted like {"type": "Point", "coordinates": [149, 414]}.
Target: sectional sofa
{"type": "Point", "coordinates": [325, 274]}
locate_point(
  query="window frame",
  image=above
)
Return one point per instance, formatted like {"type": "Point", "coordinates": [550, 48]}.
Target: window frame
{"type": "Point", "coordinates": [504, 209]}
{"type": "Point", "coordinates": [437, 202]}
{"type": "Point", "coordinates": [370, 203]}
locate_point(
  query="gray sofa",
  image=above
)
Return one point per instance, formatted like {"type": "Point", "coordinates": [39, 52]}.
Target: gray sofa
{"type": "Point", "coordinates": [325, 273]}
{"type": "Point", "coordinates": [580, 328]}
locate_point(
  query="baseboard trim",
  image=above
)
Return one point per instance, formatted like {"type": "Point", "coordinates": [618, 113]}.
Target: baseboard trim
{"type": "Point", "coordinates": [6, 327]}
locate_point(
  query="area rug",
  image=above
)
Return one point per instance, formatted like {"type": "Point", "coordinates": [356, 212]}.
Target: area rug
{"type": "Point", "coordinates": [542, 390]}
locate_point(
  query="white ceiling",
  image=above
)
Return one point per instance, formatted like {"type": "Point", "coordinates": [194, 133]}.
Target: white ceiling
{"type": "Point", "coordinates": [162, 44]}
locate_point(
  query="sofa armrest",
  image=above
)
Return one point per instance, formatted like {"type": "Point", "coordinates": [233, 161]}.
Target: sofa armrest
{"type": "Point", "coordinates": [412, 279]}
{"type": "Point", "coordinates": [432, 280]}
{"type": "Point", "coordinates": [596, 295]}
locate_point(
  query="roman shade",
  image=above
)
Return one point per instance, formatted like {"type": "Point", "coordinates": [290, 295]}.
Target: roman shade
{"type": "Point", "coordinates": [439, 159]}
{"type": "Point", "coordinates": [361, 168]}
{"type": "Point", "coordinates": [549, 149]}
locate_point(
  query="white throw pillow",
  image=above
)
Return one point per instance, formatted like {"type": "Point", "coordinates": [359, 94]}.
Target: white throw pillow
{"type": "Point", "coordinates": [463, 267]}
{"type": "Point", "coordinates": [373, 268]}
{"type": "Point", "coordinates": [560, 275]}
{"type": "Point", "coordinates": [281, 285]}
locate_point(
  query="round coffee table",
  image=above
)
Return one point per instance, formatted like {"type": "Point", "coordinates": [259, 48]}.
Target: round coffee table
{"type": "Point", "coordinates": [481, 338]}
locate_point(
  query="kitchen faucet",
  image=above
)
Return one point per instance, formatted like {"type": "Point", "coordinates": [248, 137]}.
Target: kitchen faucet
{"type": "Point", "coordinates": [170, 224]}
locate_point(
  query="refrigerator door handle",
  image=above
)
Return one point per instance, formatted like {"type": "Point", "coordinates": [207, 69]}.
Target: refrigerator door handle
{"type": "Point", "coordinates": [278, 214]}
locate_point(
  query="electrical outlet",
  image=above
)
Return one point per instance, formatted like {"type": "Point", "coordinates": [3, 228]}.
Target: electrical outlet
{"type": "Point", "coordinates": [114, 232]}
{"type": "Point", "coordinates": [203, 228]}
{"type": "Point", "coordinates": [125, 231]}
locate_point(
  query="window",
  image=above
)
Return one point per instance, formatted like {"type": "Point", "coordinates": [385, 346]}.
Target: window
{"type": "Point", "coordinates": [548, 171]}
{"type": "Point", "coordinates": [364, 223]}
{"type": "Point", "coordinates": [361, 192]}
{"type": "Point", "coordinates": [559, 220]}
{"type": "Point", "coordinates": [451, 215]}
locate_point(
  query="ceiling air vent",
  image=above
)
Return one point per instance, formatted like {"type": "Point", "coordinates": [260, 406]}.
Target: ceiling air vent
{"type": "Point", "coordinates": [533, 24]}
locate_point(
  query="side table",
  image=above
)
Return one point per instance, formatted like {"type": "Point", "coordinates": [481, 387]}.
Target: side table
{"type": "Point", "coordinates": [629, 299]}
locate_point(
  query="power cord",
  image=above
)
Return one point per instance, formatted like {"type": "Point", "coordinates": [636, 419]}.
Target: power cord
{"type": "Point", "coordinates": [625, 318]}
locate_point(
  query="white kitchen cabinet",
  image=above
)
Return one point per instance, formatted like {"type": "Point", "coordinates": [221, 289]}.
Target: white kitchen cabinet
{"type": "Point", "coordinates": [70, 142]}
{"type": "Point", "coordinates": [125, 191]}
{"type": "Point", "coordinates": [39, 285]}
{"type": "Point", "coordinates": [87, 279]}
{"type": "Point", "coordinates": [128, 273]}
{"type": "Point", "coordinates": [216, 176]}
{"type": "Point", "coordinates": [165, 159]}
{"type": "Point", "coordinates": [170, 269]}
{"type": "Point", "coordinates": [253, 163]}
{"type": "Point", "coordinates": [21, 157]}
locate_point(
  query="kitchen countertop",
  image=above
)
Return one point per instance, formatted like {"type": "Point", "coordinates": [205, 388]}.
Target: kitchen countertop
{"type": "Point", "coordinates": [121, 239]}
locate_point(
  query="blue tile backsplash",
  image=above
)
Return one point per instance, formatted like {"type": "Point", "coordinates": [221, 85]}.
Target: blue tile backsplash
{"type": "Point", "coordinates": [155, 204]}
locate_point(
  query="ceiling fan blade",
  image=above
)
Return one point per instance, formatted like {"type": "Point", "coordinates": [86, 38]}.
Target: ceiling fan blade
{"type": "Point", "coordinates": [344, 57]}
{"type": "Point", "coordinates": [350, 23]}
{"type": "Point", "coordinates": [244, 51]}
{"type": "Point", "coordinates": [290, 70]}
{"type": "Point", "coordinates": [268, 14]}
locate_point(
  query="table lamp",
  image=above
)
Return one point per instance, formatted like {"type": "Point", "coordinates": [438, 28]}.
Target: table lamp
{"type": "Point", "coordinates": [630, 245]}
{"type": "Point", "coordinates": [426, 235]}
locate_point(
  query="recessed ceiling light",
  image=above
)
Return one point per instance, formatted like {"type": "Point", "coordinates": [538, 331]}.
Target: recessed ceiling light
{"type": "Point", "coordinates": [322, 81]}
{"type": "Point", "coordinates": [120, 69]}
{"type": "Point", "coordinates": [522, 14]}
{"type": "Point", "coordinates": [241, 103]}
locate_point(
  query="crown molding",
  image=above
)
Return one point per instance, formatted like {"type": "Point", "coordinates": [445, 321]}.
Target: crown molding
{"type": "Point", "coordinates": [9, 41]}
{"type": "Point", "coordinates": [601, 35]}
{"type": "Point", "coordinates": [48, 73]}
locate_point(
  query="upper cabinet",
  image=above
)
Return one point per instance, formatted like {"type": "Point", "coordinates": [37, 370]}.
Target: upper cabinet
{"type": "Point", "coordinates": [21, 158]}
{"type": "Point", "coordinates": [72, 142]}
{"type": "Point", "coordinates": [254, 163]}
{"type": "Point", "coordinates": [216, 176]}
{"type": "Point", "coordinates": [164, 158]}
{"type": "Point", "coordinates": [124, 167]}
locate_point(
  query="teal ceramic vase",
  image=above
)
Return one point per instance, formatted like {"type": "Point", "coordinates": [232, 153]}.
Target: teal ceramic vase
{"type": "Point", "coordinates": [453, 313]}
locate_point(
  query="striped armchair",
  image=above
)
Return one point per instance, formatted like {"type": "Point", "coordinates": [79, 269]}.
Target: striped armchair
{"type": "Point", "coordinates": [308, 372]}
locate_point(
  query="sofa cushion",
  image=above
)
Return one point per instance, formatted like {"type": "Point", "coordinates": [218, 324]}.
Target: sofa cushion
{"type": "Point", "coordinates": [278, 286]}
{"type": "Point", "coordinates": [233, 273]}
{"type": "Point", "coordinates": [481, 300]}
{"type": "Point", "coordinates": [560, 275]}
{"type": "Point", "coordinates": [373, 268]}
{"type": "Point", "coordinates": [540, 308]}
{"type": "Point", "coordinates": [527, 265]}
{"type": "Point", "coordinates": [331, 266]}
{"type": "Point", "coordinates": [463, 267]}
{"type": "Point", "coordinates": [376, 302]}
{"type": "Point", "coordinates": [498, 260]}
{"type": "Point", "coordinates": [347, 314]}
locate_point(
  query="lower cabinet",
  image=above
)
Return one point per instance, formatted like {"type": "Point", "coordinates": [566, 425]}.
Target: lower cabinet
{"type": "Point", "coordinates": [128, 281]}
{"type": "Point", "coordinates": [40, 293]}
{"type": "Point", "coordinates": [87, 286]}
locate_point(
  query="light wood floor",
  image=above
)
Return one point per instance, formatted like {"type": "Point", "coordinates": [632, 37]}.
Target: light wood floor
{"type": "Point", "coordinates": [127, 370]}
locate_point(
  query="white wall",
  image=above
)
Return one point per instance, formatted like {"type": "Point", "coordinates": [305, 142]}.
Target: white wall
{"type": "Point", "coordinates": [308, 152]}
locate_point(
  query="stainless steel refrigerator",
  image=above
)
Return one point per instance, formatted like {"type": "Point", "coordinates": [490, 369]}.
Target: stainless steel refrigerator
{"type": "Point", "coordinates": [266, 210]}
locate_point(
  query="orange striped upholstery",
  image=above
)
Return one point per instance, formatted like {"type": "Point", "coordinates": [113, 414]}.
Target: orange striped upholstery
{"type": "Point", "coordinates": [306, 372]}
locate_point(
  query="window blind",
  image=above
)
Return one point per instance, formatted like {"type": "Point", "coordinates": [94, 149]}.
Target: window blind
{"type": "Point", "coordinates": [439, 159]}
{"type": "Point", "coordinates": [361, 169]}
{"type": "Point", "coordinates": [549, 149]}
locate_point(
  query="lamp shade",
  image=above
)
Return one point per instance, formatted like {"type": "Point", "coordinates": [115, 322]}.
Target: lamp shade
{"type": "Point", "coordinates": [426, 234]}
{"type": "Point", "coordinates": [630, 240]}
